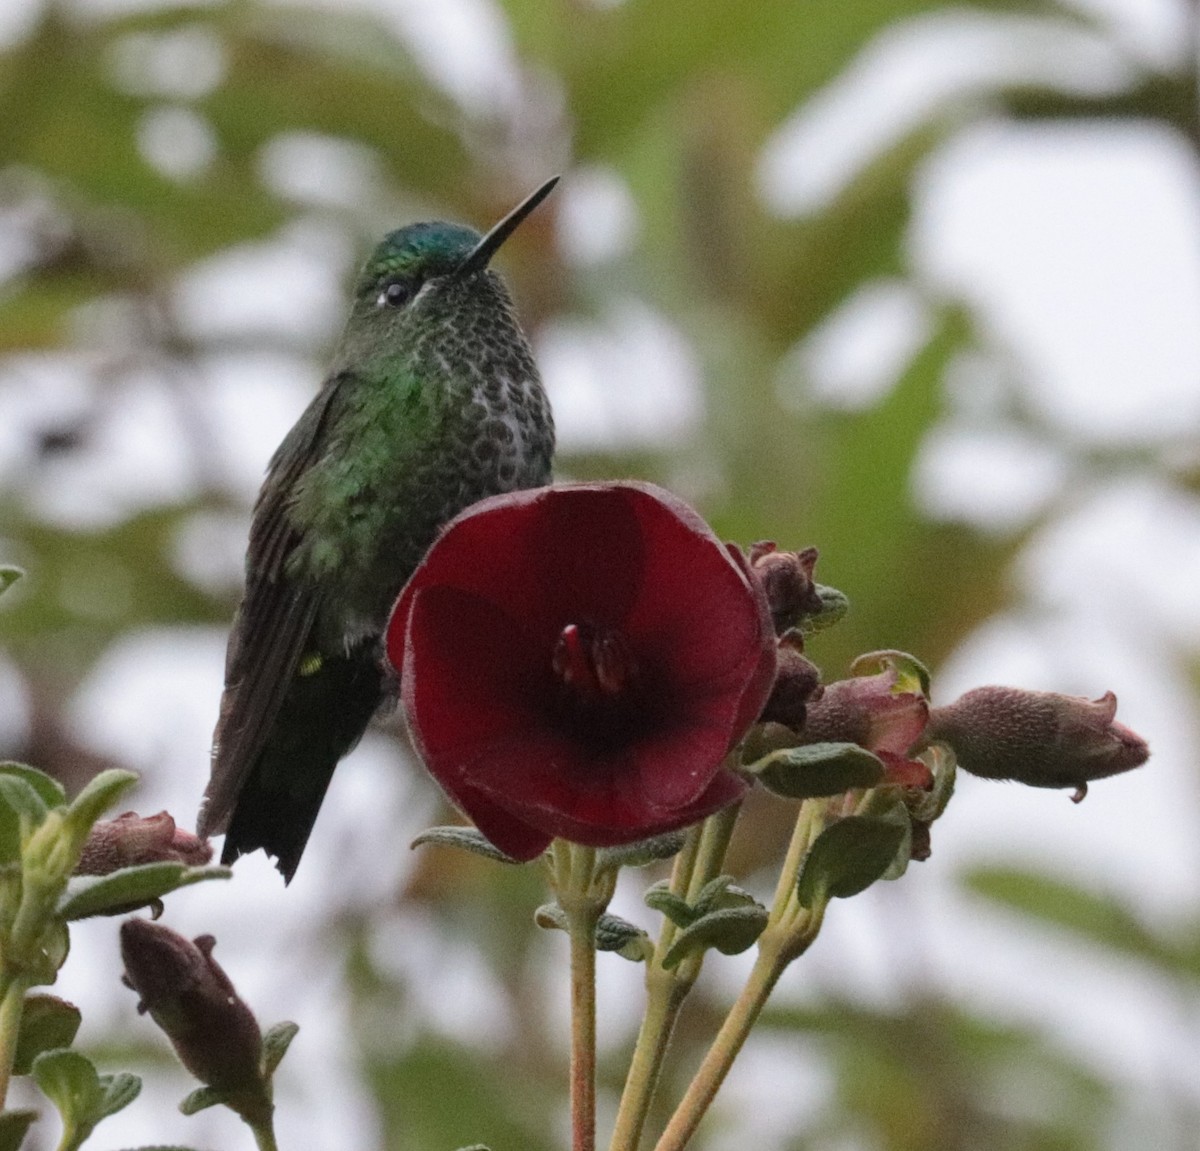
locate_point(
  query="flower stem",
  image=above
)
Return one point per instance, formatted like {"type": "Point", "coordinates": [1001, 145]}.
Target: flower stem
{"type": "Point", "coordinates": [583, 894]}
{"type": "Point", "coordinates": [790, 930]}
{"type": "Point", "coordinates": [12, 1005]}
{"type": "Point", "coordinates": [701, 859]}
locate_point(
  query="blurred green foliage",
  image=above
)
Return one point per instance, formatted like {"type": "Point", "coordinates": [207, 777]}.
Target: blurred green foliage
{"type": "Point", "coordinates": [677, 98]}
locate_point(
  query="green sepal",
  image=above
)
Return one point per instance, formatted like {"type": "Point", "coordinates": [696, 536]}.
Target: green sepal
{"type": "Point", "coordinates": [82, 1096]}
{"type": "Point", "coordinates": [201, 1099]}
{"type": "Point", "coordinates": [911, 674]}
{"type": "Point", "coordinates": [847, 857]}
{"type": "Point", "coordinates": [465, 839]}
{"type": "Point", "coordinates": [9, 576]}
{"type": "Point", "coordinates": [834, 606]}
{"type": "Point", "coordinates": [50, 790]}
{"type": "Point", "coordinates": [130, 887]}
{"type": "Point", "coordinates": [275, 1044]}
{"type": "Point", "coordinates": [612, 932]}
{"type": "Point", "coordinates": [817, 770]}
{"type": "Point", "coordinates": [641, 853]}
{"type": "Point", "coordinates": [47, 1022]}
{"type": "Point", "coordinates": [929, 805]}
{"type": "Point", "coordinates": [13, 1127]}
{"type": "Point", "coordinates": [730, 930]}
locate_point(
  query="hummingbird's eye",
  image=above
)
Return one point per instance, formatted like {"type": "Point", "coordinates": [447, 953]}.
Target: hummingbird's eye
{"type": "Point", "coordinates": [396, 293]}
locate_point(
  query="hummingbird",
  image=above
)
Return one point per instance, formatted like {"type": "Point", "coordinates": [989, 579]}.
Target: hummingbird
{"type": "Point", "coordinates": [432, 402]}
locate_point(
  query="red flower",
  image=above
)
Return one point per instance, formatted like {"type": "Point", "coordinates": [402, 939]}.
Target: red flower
{"type": "Point", "coordinates": [576, 661]}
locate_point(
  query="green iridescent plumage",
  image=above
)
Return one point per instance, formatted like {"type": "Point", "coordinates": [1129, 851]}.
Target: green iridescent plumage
{"type": "Point", "coordinates": [433, 401]}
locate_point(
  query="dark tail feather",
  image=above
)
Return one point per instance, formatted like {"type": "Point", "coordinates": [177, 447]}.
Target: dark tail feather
{"type": "Point", "coordinates": [322, 717]}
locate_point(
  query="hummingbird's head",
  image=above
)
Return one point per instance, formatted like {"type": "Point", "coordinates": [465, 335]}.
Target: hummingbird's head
{"type": "Point", "coordinates": [423, 273]}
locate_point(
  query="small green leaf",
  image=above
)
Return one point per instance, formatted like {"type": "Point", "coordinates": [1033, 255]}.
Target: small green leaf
{"type": "Point", "coordinates": [201, 1099]}
{"type": "Point", "coordinates": [9, 576]}
{"type": "Point", "coordinates": [22, 799]}
{"type": "Point", "coordinates": [130, 887]}
{"type": "Point", "coordinates": [660, 898]}
{"type": "Point", "coordinates": [834, 605]}
{"type": "Point", "coordinates": [275, 1044]}
{"type": "Point", "coordinates": [118, 1090]}
{"type": "Point", "coordinates": [71, 1083]}
{"type": "Point", "coordinates": [13, 1126]}
{"type": "Point", "coordinates": [47, 1022]}
{"type": "Point", "coordinates": [817, 770]}
{"type": "Point", "coordinates": [465, 839]}
{"type": "Point", "coordinates": [626, 939]}
{"type": "Point", "coordinates": [101, 792]}
{"type": "Point", "coordinates": [731, 931]}
{"type": "Point", "coordinates": [612, 932]}
{"type": "Point", "coordinates": [847, 857]}
{"type": "Point", "coordinates": [710, 895]}
{"type": "Point", "coordinates": [643, 852]}
{"type": "Point", "coordinates": [50, 790]}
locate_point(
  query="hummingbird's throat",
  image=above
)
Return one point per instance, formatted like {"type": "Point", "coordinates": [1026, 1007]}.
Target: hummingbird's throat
{"type": "Point", "coordinates": [594, 665]}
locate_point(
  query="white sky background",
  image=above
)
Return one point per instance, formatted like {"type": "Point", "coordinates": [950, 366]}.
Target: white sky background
{"type": "Point", "coordinates": [1080, 247]}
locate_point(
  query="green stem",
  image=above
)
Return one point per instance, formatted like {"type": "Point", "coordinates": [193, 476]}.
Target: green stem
{"type": "Point", "coordinates": [708, 1079]}
{"type": "Point", "coordinates": [12, 1004]}
{"type": "Point", "coordinates": [790, 930]}
{"type": "Point", "coordinates": [583, 894]}
{"type": "Point", "coordinates": [664, 996]}
{"type": "Point", "coordinates": [701, 859]}
{"type": "Point", "coordinates": [581, 922]}
{"type": "Point", "coordinates": [264, 1136]}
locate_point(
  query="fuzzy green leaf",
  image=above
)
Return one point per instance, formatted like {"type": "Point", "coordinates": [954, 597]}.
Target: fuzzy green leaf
{"type": "Point", "coordinates": [22, 799]}
{"type": "Point", "coordinates": [834, 606]}
{"type": "Point", "coordinates": [465, 839]}
{"type": "Point", "coordinates": [130, 887]}
{"type": "Point", "coordinates": [731, 931]}
{"type": "Point", "coordinates": [818, 769]}
{"type": "Point", "coordinates": [660, 898]}
{"type": "Point", "coordinates": [47, 1022]}
{"type": "Point", "coordinates": [47, 787]}
{"type": "Point", "coordinates": [118, 1090]}
{"type": "Point", "coordinates": [71, 1083]}
{"type": "Point", "coordinates": [847, 857]}
{"type": "Point", "coordinates": [101, 792]}
{"type": "Point", "coordinates": [643, 852]}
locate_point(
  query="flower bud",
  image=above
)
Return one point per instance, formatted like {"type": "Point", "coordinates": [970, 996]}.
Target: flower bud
{"type": "Point", "coordinates": [191, 998]}
{"type": "Point", "coordinates": [1039, 738]}
{"type": "Point", "coordinates": [797, 681]}
{"type": "Point", "coordinates": [787, 580]}
{"type": "Point", "coordinates": [131, 839]}
{"type": "Point", "coordinates": [869, 711]}
{"type": "Point", "coordinates": [873, 712]}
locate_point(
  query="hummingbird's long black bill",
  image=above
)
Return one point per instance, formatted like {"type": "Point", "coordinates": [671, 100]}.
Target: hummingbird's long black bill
{"type": "Point", "coordinates": [479, 256]}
